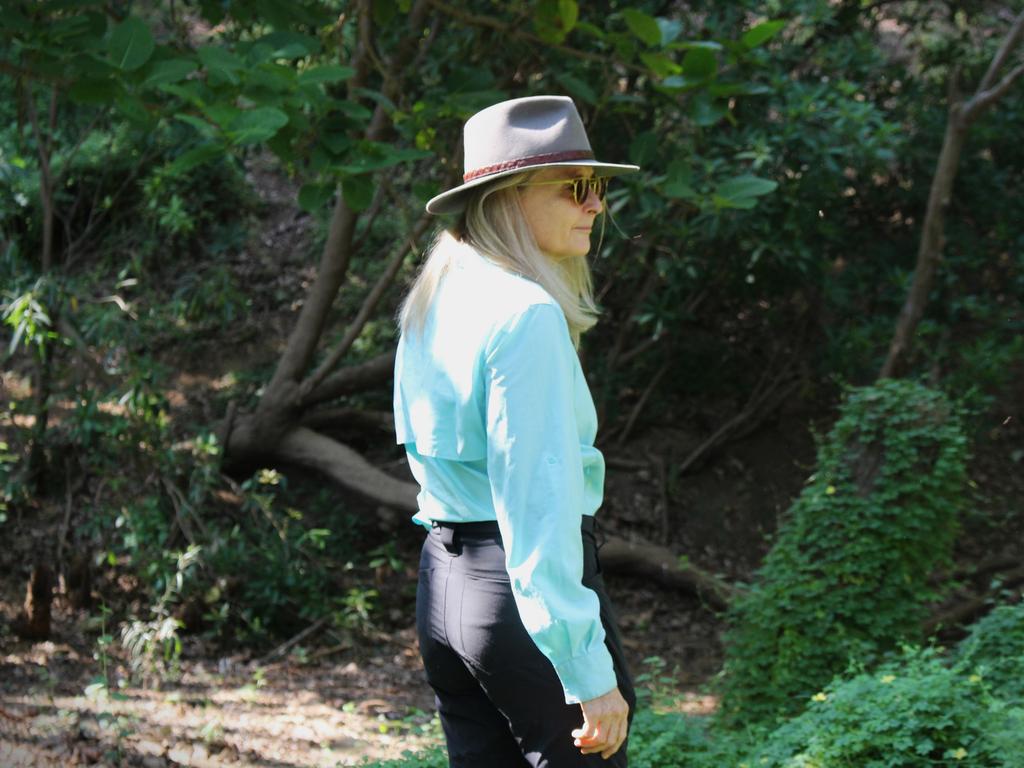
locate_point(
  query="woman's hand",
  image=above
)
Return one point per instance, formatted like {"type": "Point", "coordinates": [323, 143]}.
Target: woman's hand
{"type": "Point", "coordinates": [605, 721]}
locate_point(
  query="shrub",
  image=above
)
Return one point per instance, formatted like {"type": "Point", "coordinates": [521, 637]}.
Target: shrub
{"type": "Point", "coordinates": [847, 577]}
{"type": "Point", "coordinates": [995, 651]}
{"type": "Point", "coordinates": [913, 712]}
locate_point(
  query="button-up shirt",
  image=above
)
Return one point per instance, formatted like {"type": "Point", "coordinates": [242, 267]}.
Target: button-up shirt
{"type": "Point", "coordinates": [498, 424]}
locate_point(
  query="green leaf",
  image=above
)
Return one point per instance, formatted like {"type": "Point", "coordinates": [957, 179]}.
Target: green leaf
{"type": "Point", "coordinates": [254, 126]}
{"type": "Point", "coordinates": [569, 13]}
{"type": "Point", "coordinates": [678, 180]}
{"type": "Point", "coordinates": [700, 64]}
{"type": "Point", "coordinates": [686, 45]}
{"type": "Point", "coordinates": [591, 29]}
{"type": "Point", "coordinates": [679, 83]}
{"type": "Point", "coordinates": [283, 44]}
{"type": "Point", "coordinates": [762, 33]}
{"type": "Point", "coordinates": [705, 111]}
{"type": "Point", "coordinates": [202, 126]}
{"type": "Point", "coordinates": [132, 108]}
{"type": "Point", "coordinates": [221, 65]}
{"type": "Point", "coordinates": [377, 156]}
{"type": "Point", "coordinates": [353, 109]}
{"type": "Point", "coordinates": [547, 20]}
{"type": "Point", "coordinates": [670, 29]}
{"type": "Point", "coordinates": [643, 26]}
{"type": "Point", "coordinates": [644, 148]}
{"type": "Point", "coordinates": [335, 142]}
{"type": "Point", "coordinates": [576, 88]}
{"type": "Point", "coordinates": [327, 73]}
{"type": "Point", "coordinates": [746, 186]}
{"type": "Point", "coordinates": [273, 79]}
{"type": "Point", "coordinates": [738, 89]}
{"type": "Point", "coordinates": [313, 197]}
{"type": "Point", "coordinates": [131, 44]}
{"type": "Point", "coordinates": [169, 71]}
{"type": "Point", "coordinates": [357, 191]}
{"type": "Point", "coordinates": [660, 64]}
{"type": "Point", "coordinates": [196, 156]}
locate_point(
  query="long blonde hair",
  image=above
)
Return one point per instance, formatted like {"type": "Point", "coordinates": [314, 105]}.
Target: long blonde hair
{"type": "Point", "coordinates": [495, 226]}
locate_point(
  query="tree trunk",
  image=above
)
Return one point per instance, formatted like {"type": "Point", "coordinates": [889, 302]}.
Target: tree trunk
{"type": "Point", "coordinates": [33, 623]}
{"type": "Point", "coordinates": [273, 432]}
{"type": "Point", "coordinates": [930, 250]}
{"type": "Point", "coordinates": [961, 115]}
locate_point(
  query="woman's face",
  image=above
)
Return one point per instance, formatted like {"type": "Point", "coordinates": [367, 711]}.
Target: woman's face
{"type": "Point", "coordinates": [560, 226]}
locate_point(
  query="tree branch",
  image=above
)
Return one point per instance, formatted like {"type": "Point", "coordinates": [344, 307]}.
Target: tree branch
{"type": "Point", "coordinates": [369, 305]}
{"type": "Point", "coordinates": [354, 378]}
{"type": "Point", "coordinates": [1005, 49]}
{"type": "Point", "coordinates": [46, 181]}
{"type": "Point", "coordinates": [349, 418]}
{"type": "Point", "coordinates": [984, 99]}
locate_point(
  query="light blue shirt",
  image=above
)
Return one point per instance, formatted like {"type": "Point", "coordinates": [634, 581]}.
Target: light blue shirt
{"type": "Point", "coordinates": [498, 424]}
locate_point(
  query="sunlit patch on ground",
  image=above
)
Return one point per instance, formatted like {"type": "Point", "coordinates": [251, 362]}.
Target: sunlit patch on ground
{"type": "Point", "coordinates": [54, 712]}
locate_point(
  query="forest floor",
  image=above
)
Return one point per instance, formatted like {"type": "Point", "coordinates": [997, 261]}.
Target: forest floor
{"type": "Point", "coordinates": [319, 705]}
{"type": "Point", "coordinates": [67, 701]}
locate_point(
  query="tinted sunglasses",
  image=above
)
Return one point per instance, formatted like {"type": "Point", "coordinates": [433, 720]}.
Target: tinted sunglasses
{"type": "Point", "coordinates": [581, 187]}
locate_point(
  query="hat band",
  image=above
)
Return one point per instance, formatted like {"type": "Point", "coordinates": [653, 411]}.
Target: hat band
{"type": "Point", "coordinates": [526, 162]}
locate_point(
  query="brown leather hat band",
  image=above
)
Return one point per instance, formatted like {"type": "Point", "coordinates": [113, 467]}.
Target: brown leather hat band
{"type": "Point", "coordinates": [526, 162]}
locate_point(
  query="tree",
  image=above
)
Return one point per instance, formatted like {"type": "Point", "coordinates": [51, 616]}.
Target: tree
{"type": "Point", "coordinates": [962, 113]}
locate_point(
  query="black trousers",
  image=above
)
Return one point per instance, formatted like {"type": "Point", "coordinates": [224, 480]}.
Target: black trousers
{"type": "Point", "coordinates": [500, 702]}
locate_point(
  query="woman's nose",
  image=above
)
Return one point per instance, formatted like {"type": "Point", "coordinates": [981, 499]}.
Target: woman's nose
{"type": "Point", "coordinates": [592, 203]}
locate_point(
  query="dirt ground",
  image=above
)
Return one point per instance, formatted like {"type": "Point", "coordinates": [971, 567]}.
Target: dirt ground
{"type": "Point", "coordinates": [367, 701]}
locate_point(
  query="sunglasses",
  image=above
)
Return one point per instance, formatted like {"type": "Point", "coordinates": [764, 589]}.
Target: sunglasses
{"type": "Point", "coordinates": [581, 187]}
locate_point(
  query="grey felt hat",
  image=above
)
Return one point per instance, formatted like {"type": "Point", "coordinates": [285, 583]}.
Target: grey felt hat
{"type": "Point", "coordinates": [517, 135]}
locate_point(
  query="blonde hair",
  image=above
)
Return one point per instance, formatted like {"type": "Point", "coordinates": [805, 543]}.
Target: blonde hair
{"type": "Point", "coordinates": [495, 226]}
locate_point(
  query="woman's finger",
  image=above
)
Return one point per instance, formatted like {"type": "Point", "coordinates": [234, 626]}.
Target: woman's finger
{"type": "Point", "coordinates": [587, 733]}
{"type": "Point", "coordinates": [616, 736]}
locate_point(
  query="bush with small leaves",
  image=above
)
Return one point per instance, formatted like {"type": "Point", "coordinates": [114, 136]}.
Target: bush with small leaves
{"type": "Point", "coordinates": [848, 575]}
{"type": "Point", "coordinates": [995, 651]}
{"type": "Point", "coordinates": [913, 713]}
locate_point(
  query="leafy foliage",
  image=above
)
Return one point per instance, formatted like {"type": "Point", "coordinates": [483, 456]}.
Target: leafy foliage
{"type": "Point", "coordinates": [847, 577]}
{"type": "Point", "coordinates": [994, 651]}
{"type": "Point", "coordinates": [912, 713]}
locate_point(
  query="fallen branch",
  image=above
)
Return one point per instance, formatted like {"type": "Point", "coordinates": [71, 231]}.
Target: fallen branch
{"type": "Point", "coordinates": [288, 644]}
{"type": "Point", "coordinates": [664, 566]}
{"type": "Point", "coordinates": [347, 467]}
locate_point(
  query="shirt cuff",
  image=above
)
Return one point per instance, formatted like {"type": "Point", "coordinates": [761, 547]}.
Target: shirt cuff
{"type": "Point", "coordinates": [587, 677]}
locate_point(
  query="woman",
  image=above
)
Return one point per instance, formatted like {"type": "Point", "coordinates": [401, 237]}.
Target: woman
{"type": "Point", "coordinates": [515, 628]}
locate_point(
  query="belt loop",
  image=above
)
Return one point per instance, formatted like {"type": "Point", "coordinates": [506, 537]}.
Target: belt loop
{"type": "Point", "coordinates": [447, 537]}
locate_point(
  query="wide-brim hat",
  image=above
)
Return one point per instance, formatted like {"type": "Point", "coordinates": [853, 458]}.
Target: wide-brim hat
{"type": "Point", "coordinates": [518, 135]}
